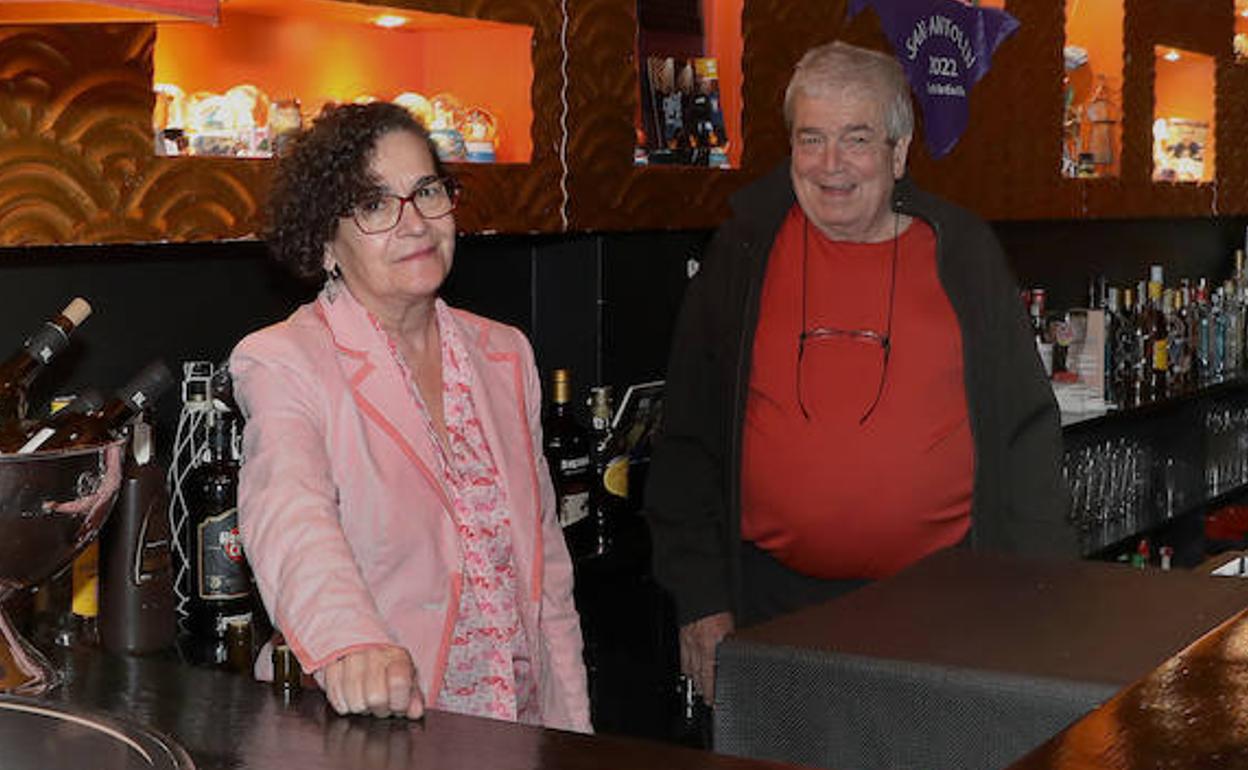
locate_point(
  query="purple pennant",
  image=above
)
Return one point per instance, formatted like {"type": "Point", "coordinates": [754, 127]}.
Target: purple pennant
{"type": "Point", "coordinates": [945, 46]}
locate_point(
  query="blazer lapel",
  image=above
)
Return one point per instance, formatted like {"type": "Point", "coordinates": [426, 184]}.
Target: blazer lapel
{"type": "Point", "coordinates": [379, 386]}
{"type": "Point", "coordinates": [498, 395]}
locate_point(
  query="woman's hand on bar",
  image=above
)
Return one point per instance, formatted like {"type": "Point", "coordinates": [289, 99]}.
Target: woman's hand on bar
{"type": "Point", "coordinates": [378, 680]}
{"type": "Point", "coordinates": [697, 651]}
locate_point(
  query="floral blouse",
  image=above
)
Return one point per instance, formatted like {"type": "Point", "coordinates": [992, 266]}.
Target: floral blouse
{"type": "Point", "coordinates": [489, 669]}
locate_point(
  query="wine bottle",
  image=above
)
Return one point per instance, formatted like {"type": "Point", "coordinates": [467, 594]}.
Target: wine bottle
{"type": "Point", "coordinates": [1127, 353]}
{"type": "Point", "coordinates": [86, 429]}
{"type": "Point", "coordinates": [20, 369]}
{"type": "Point", "coordinates": [220, 582]}
{"type": "Point", "coordinates": [565, 442]}
{"type": "Point", "coordinates": [1112, 320]}
{"type": "Point", "coordinates": [1157, 339]}
{"type": "Point", "coordinates": [609, 494]}
{"type": "Point", "coordinates": [14, 435]}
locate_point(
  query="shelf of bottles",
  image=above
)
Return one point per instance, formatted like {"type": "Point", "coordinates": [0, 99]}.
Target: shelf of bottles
{"type": "Point", "coordinates": [239, 88]}
{"type": "Point", "coordinates": [1171, 435]}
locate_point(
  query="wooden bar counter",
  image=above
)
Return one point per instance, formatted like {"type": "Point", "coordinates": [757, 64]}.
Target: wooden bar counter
{"type": "Point", "coordinates": [967, 660]}
{"type": "Point", "coordinates": [228, 721]}
{"type": "Point", "coordinates": [1191, 713]}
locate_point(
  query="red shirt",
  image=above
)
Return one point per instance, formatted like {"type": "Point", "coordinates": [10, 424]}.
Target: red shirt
{"type": "Point", "coordinates": [828, 495]}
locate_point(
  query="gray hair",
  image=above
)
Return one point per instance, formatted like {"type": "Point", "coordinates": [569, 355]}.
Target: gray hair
{"type": "Point", "coordinates": [836, 65]}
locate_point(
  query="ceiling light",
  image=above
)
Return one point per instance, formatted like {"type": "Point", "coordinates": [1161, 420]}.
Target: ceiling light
{"type": "Point", "coordinates": [390, 21]}
{"type": "Point", "coordinates": [1171, 55]}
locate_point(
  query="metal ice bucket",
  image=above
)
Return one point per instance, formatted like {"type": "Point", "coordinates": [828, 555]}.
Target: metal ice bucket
{"type": "Point", "coordinates": [52, 505]}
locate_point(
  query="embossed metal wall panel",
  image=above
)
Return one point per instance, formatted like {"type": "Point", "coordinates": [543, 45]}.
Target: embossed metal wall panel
{"type": "Point", "coordinates": [76, 152]}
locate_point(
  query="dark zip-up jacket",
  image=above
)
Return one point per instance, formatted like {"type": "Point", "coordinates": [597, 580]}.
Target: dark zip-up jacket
{"type": "Point", "coordinates": [693, 495]}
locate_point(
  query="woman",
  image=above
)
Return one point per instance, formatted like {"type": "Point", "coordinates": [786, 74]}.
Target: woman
{"type": "Point", "coordinates": [394, 501]}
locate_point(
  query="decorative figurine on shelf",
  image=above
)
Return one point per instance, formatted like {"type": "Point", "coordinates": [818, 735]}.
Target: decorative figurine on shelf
{"type": "Point", "coordinates": [169, 119]}
{"type": "Point", "coordinates": [285, 120]}
{"type": "Point", "coordinates": [418, 105]}
{"type": "Point", "coordinates": [444, 128]}
{"type": "Point", "coordinates": [480, 131]}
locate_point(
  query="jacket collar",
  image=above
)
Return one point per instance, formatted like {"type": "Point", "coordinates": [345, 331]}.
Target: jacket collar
{"type": "Point", "coordinates": [765, 203]}
{"type": "Point", "coordinates": [383, 395]}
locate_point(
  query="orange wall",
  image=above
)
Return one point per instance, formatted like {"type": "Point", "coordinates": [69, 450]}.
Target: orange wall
{"type": "Point", "coordinates": [490, 67]}
{"type": "Point", "coordinates": [1184, 89]}
{"type": "Point", "coordinates": [1097, 26]}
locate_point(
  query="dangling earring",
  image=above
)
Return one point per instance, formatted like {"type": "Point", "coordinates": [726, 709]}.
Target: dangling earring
{"type": "Point", "coordinates": [333, 281]}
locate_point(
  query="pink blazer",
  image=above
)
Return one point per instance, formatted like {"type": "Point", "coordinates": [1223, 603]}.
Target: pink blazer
{"type": "Point", "coordinates": [346, 521]}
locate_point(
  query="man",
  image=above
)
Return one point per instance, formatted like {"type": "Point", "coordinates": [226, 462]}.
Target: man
{"type": "Point", "coordinates": [853, 384]}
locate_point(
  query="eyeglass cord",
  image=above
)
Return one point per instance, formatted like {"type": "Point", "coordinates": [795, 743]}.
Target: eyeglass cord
{"type": "Point", "coordinates": [886, 342]}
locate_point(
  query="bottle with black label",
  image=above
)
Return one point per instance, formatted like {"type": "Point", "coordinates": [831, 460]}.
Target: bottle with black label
{"type": "Point", "coordinates": [220, 581]}
{"type": "Point", "coordinates": [566, 446]}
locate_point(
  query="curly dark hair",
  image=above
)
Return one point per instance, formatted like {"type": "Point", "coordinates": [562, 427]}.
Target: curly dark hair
{"type": "Point", "coordinates": [323, 174]}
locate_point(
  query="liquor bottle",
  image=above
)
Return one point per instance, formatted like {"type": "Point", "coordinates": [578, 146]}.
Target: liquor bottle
{"type": "Point", "coordinates": [1156, 336]}
{"type": "Point", "coordinates": [1180, 345]}
{"type": "Point", "coordinates": [1143, 351]}
{"type": "Point", "coordinates": [1035, 311]}
{"type": "Point", "coordinates": [609, 497]}
{"type": "Point", "coordinates": [136, 566]}
{"type": "Point", "coordinates": [88, 428]}
{"type": "Point", "coordinates": [565, 442]}
{"type": "Point", "coordinates": [1203, 318]}
{"type": "Point", "coordinates": [1126, 353]}
{"type": "Point", "coordinates": [1044, 343]}
{"type": "Point", "coordinates": [1233, 310]}
{"type": "Point", "coordinates": [1217, 328]}
{"type": "Point", "coordinates": [1113, 319]}
{"type": "Point", "coordinates": [20, 369]}
{"type": "Point", "coordinates": [220, 582]}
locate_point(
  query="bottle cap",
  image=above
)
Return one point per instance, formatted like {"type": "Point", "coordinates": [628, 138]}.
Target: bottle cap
{"type": "Point", "coordinates": [1156, 273]}
{"type": "Point", "coordinates": [77, 310]}
{"type": "Point", "coordinates": [147, 385]}
{"type": "Point", "coordinates": [561, 379]}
